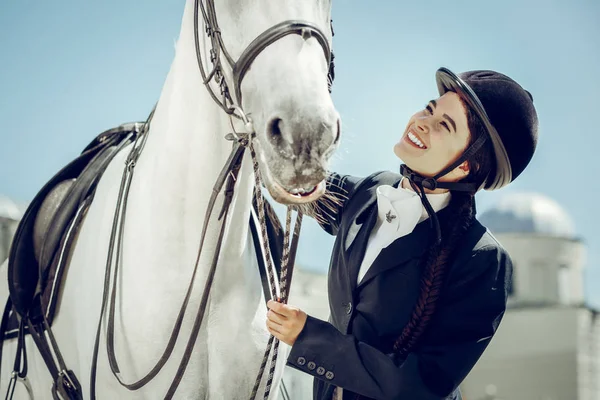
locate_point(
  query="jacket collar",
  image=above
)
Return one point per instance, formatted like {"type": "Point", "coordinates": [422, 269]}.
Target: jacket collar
{"type": "Point", "coordinates": [402, 250]}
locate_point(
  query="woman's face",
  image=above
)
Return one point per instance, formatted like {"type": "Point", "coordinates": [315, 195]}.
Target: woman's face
{"type": "Point", "coordinates": [435, 137]}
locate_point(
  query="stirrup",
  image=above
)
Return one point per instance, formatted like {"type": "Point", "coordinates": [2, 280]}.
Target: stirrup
{"type": "Point", "coordinates": [12, 385]}
{"type": "Point", "coordinates": [66, 387]}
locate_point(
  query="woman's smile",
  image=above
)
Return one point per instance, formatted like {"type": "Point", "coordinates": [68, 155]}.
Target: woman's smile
{"type": "Point", "coordinates": [415, 140]}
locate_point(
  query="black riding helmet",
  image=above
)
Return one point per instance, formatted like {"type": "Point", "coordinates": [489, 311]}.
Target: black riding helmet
{"type": "Point", "coordinates": [506, 111]}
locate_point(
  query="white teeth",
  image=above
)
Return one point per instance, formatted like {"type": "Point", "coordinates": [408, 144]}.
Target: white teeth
{"type": "Point", "coordinates": [297, 191]}
{"type": "Point", "coordinates": [300, 190]}
{"type": "Point", "coordinates": [415, 140]}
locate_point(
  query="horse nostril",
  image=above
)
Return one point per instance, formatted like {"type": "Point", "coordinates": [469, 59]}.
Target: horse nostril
{"type": "Point", "coordinates": [274, 129]}
{"type": "Point", "coordinates": [338, 132]}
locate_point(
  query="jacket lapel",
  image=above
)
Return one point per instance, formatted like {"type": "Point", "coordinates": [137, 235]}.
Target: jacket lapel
{"type": "Point", "coordinates": [356, 251]}
{"type": "Point", "coordinates": [399, 252]}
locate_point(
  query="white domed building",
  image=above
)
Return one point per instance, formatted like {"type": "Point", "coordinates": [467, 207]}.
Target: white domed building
{"type": "Point", "coordinates": [548, 344]}
{"type": "Point", "coordinates": [548, 258]}
{"type": "Point", "coordinates": [10, 214]}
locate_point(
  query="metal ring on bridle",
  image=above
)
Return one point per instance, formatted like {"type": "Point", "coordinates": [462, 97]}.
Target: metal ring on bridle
{"type": "Point", "coordinates": [242, 115]}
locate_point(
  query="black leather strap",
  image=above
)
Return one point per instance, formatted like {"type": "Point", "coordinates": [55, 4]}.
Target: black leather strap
{"type": "Point", "coordinates": [270, 36]}
{"type": "Point", "coordinates": [228, 174]}
{"type": "Point", "coordinates": [262, 269]}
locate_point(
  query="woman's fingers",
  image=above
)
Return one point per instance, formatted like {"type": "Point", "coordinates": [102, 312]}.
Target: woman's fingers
{"type": "Point", "coordinates": [277, 318]}
{"type": "Point", "coordinates": [285, 322]}
{"type": "Point", "coordinates": [282, 309]}
{"type": "Point", "coordinates": [274, 327]}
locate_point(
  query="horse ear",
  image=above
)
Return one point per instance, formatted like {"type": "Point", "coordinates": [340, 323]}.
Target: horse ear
{"type": "Point", "coordinates": [331, 73]}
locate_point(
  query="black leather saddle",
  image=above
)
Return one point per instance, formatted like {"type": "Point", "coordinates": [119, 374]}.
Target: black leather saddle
{"type": "Point", "coordinates": [45, 234]}
{"type": "Point", "coordinates": [34, 267]}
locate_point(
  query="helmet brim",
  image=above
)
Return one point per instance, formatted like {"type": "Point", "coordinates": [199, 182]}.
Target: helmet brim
{"type": "Point", "coordinates": [447, 81]}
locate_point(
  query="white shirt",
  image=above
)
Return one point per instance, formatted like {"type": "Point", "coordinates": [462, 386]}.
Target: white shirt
{"type": "Point", "coordinates": [399, 211]}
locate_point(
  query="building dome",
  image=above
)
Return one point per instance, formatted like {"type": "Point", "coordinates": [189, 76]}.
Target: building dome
{"type": "Point", "coordinates": [9, 209]}
{"type": "Point", "coordinates": [531, 213]}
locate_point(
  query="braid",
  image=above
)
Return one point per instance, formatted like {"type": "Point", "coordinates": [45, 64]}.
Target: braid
{"type": "Point", "coordinates": [434, 266]}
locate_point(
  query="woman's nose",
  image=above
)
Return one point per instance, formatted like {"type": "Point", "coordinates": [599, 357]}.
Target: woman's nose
{"type": "Point", "coordinates": [421, 125]}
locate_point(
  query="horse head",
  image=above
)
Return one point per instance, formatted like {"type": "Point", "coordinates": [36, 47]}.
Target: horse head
{"type": "Point", "coordinates": [279, 54]}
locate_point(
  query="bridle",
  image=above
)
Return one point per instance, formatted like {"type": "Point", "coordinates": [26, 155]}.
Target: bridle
{"type": "Point", "coordinates": [240, 67]}
{"type": "Point", "coordinates": [226, 180]}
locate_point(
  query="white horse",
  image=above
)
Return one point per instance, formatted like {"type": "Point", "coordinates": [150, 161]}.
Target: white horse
{"type": "Point", "coordinates": [297, 129]}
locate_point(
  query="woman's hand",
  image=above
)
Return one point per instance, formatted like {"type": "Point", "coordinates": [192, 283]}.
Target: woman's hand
{"type": "Point", "coordinates": [285, 322]}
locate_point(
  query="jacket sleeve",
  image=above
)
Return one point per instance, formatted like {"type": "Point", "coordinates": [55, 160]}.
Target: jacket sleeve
{"type": "Point", "coordinates": [458, 334]}
{"type": "Point", "coordinates": [327, 211]}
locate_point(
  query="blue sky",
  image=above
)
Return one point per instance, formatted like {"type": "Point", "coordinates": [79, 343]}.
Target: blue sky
{"type": "Point", "coordinates": [71, 69]}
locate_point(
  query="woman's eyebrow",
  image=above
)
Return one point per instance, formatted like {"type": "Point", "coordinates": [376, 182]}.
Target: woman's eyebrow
{"type": "Point", "coordinates": [450, 120]}
{"type": "Point", "coordinates": [434, 104]}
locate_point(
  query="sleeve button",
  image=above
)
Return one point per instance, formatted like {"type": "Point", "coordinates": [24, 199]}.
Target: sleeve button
{"type": "Point", "coordinates": [301, 361]}
{"type": "Point", "coordinates": [320, 371]}
{"type": "Point", "coordinates": [311, 365]}
{"type": "Point", "coordinates": [329, 375]}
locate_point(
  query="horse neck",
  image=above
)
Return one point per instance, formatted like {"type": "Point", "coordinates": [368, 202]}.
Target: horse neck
{"type": "Point", "coordinates": [186, 151]}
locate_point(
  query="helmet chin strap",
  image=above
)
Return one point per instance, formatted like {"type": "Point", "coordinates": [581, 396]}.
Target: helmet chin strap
{"type": "Point", "coordinates": [419, 183]}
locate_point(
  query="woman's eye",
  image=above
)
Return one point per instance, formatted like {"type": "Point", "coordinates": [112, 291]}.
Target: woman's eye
{"type": "Point", "coordinates": [445, 125]}
{"type": "Point", "coordinates": [428, 109]}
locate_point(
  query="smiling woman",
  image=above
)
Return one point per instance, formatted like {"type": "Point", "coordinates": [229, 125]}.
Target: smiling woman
{"type": "Point", "coordinates": [417, 286]}
{"type": "Point", "coordinates": [435, 135]}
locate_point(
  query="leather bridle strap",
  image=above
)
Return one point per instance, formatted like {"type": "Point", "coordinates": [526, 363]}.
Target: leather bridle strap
{"type": "Point", "coordinates": [262, 269]}
{"type": "Point", "coordinates": [270, 36]}
{"type": "Point", "coordinates": [241, 67]}
{"type": "Point", "coordinates": [208, 285]}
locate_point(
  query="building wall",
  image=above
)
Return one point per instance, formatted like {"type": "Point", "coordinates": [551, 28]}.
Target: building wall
{"type": "Point", "coordinates": [588, 356]}
{"type": "Point", "coordinates": [547, 270]}
{"type": "Point", "coordinates": [7, 231]}
{"type": "Point", "coordinates": [537, 354]}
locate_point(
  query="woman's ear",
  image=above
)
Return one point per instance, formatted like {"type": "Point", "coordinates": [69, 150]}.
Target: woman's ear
{"type": "Point", "coordinates": [464, 168]}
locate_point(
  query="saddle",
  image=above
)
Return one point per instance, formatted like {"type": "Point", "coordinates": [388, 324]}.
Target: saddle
{"type": "Point", "coordinates": [45, 234]}
{"type": "Point", "coordinates": [49, 225]}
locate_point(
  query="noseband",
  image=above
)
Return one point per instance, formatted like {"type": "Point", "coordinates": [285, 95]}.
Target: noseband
{"type": "Point", "coordinates": [243, 64]}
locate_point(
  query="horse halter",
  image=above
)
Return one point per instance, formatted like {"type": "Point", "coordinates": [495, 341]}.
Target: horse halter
{"type": "Point", "coordinates": [243, 64]}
